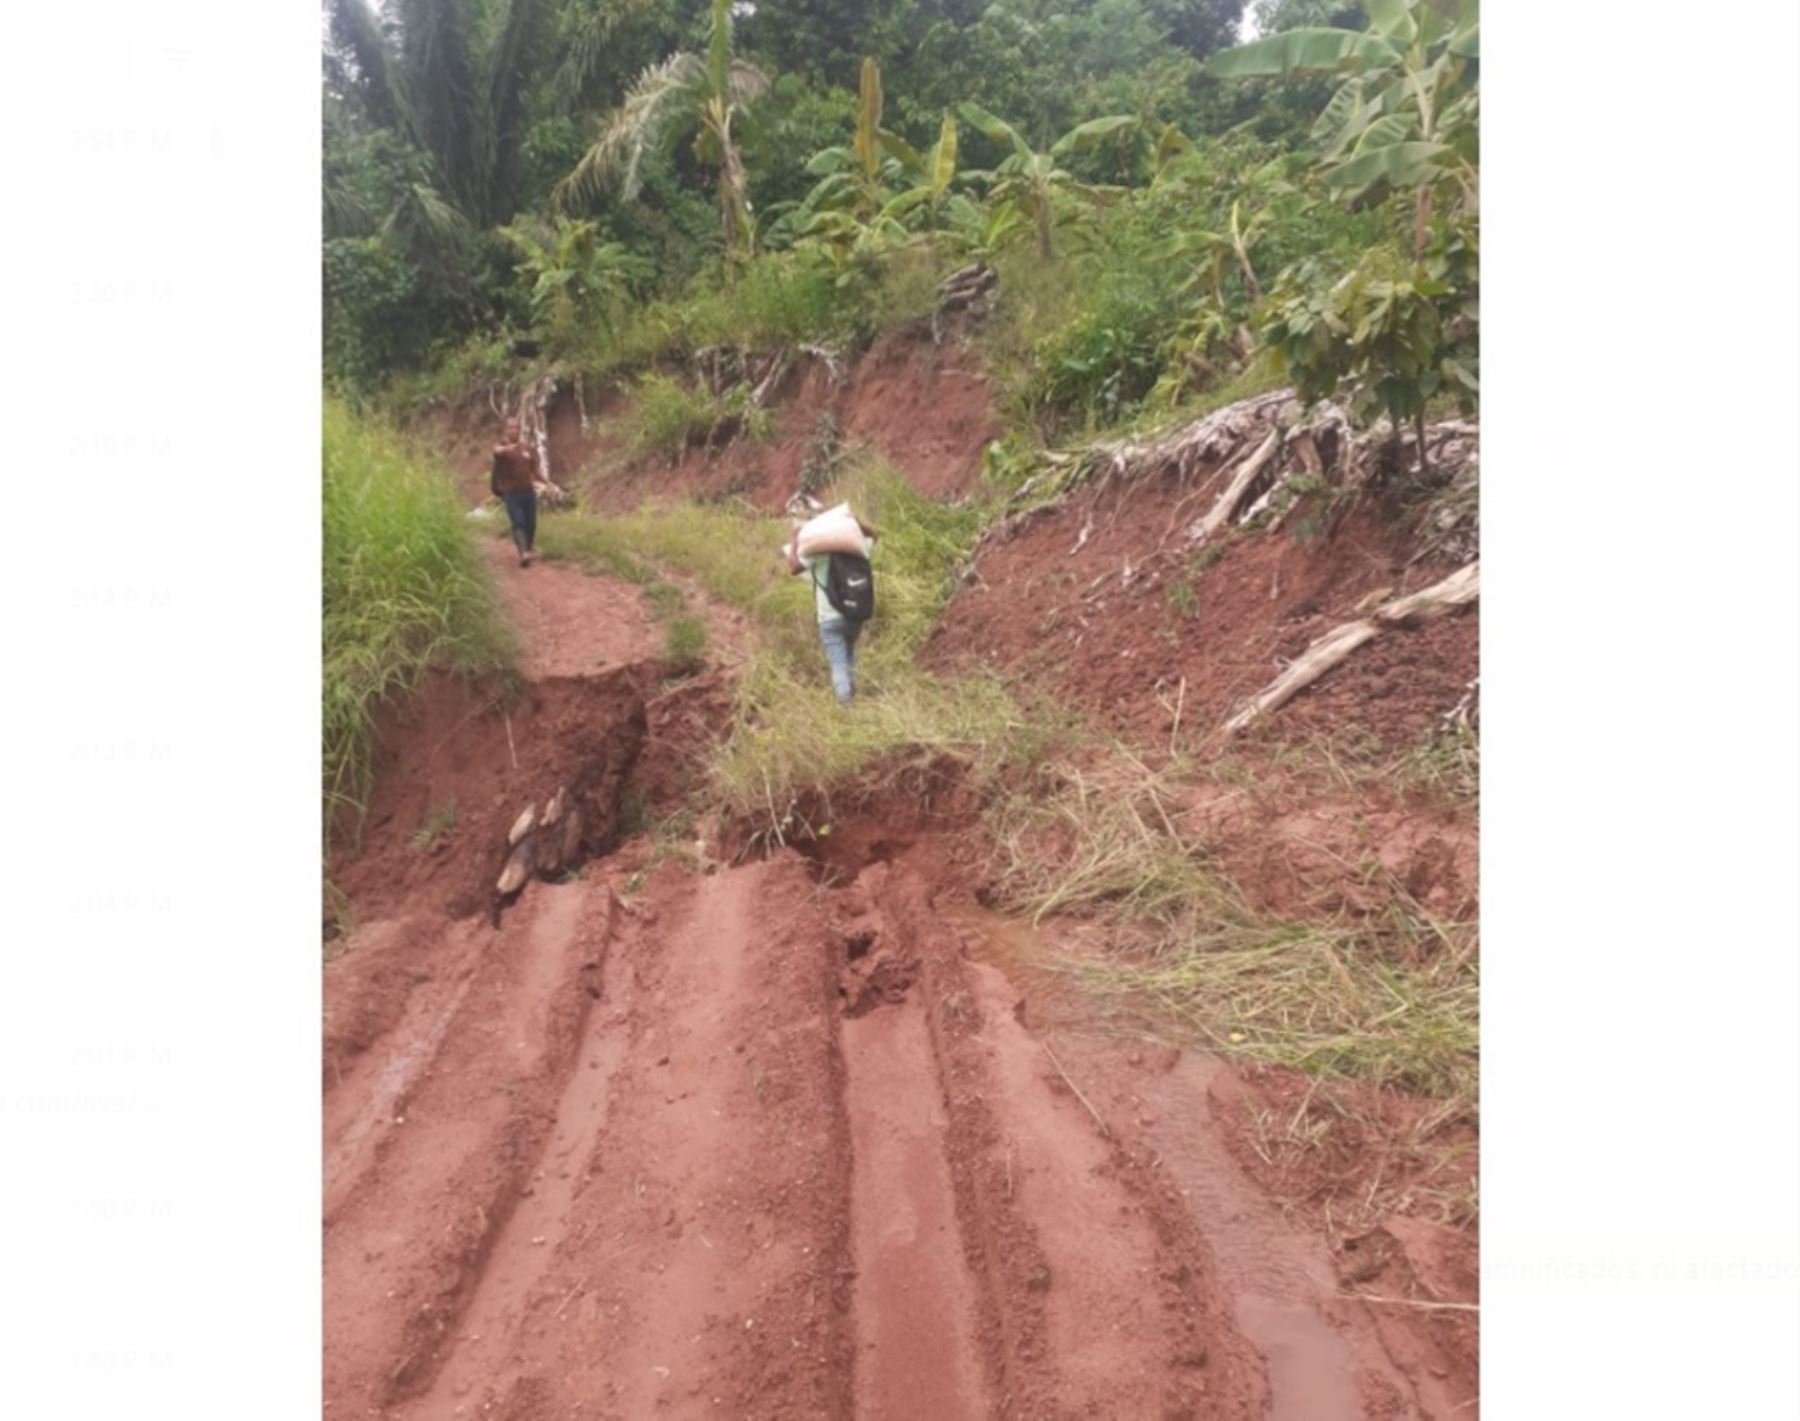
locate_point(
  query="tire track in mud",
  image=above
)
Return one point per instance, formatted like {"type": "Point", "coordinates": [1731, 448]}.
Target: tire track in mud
{"type": "Point", "coordinates": [511, 1282]}
{"type": "Point", "coordinates": [1093, 1299]}
{"type": "Point", "coordinates": [1329, 1358]}
{"type": "Point", "coordinates": [364, 1090]}
{"type": "Point", "coordinates": [682, 1249]}
{"type": "Point", "coordinates": [719, 1156]}
{"type": "Point", "coordinates": [404, 1254]}
{"type": "Point", "coordinates": [914, 1303]}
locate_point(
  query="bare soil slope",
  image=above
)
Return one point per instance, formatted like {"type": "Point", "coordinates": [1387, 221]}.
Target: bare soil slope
{"type": "Point", "coordinates": [768, 1139]}
{"type": "Point", "coordinates": [1074, 602]}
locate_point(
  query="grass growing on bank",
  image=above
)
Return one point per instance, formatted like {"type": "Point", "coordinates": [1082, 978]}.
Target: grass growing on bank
{"type": "Point", "coordinates": [789, 736]}
{"type": "Point", "coordinates": [404, 590]}
{"type": "Point", "coordinates": [1392, 1001]}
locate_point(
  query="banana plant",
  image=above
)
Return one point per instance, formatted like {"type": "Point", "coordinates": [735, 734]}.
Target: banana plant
{"type": "Point", "coordinates": [1030, 181]}
{"type": "Point", "coordinates": [851, 176]}
{"type": "Point", "coordinates": [1403, 115]}
{"type": "Point", "coordinates": [574, 277]}
{"type": "Point", "coordinates": [853, 208]}
{"type": "Point", "coordinates": [1214, 253]}
{"type": "Point", "coordinates": [930, 174]}
{"type": "Point", "coordinates": [976, 230]}
{"type": "Point", "coordinates": [861, 177]}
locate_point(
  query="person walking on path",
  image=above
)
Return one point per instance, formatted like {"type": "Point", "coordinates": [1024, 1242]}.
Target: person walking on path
{"type": "Point", "coordinates": [839, 627]}
{"type": "Point", "coordinates": [513, 480]}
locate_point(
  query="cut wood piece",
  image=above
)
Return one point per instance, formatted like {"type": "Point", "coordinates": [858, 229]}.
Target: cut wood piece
{"type": "Point", "coordinates": [1460, 588]}
{"type": "Point", "coordinates": [518, 868]}
{"type": "Point", "coordinates": [523, 825]}
{"type": "Point", "coordinates": [1227, 503]}
{"type": "Point", "coordinates": [1313, 663]}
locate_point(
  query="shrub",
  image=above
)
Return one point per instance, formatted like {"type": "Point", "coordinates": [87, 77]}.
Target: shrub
{"type": "Point", "coordinates": [669, 416]}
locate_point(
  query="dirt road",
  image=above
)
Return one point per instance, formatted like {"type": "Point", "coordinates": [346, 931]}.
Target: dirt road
{"type": "Point", "coordinates": [762, 1141]}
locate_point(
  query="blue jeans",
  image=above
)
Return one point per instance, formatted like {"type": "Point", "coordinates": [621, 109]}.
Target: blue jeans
{"type": "Point", "coordinates": [521, 511]}
{"type": "Point", "coordinates": [839, 635]}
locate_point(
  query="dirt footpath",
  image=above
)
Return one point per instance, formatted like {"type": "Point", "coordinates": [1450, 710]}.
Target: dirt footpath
{"type": "Point", "coordinates": [758, 1141]}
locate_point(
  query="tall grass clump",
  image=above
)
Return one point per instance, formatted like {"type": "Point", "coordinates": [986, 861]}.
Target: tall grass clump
{"type": "Point", "coordinates": [1390, 999]}
{"type": "Point", "coordinates": [404, 590]}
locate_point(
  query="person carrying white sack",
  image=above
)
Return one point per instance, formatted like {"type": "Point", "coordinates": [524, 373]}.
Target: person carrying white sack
{"type": "Point", "coordinates": [834, 550]}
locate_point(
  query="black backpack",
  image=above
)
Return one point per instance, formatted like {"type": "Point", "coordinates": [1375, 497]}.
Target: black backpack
{"type": "Point", "coordinates": [850, 586]}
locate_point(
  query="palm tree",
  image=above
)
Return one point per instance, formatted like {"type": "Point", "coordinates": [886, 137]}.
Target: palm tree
{"type": "Point", "coordinates": [684, 94]}
{"type": "Point", "coordinates": [452, 76]}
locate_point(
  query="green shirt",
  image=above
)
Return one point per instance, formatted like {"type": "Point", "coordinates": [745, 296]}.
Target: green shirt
{"type": "Point", "coordinates": [819, 569]}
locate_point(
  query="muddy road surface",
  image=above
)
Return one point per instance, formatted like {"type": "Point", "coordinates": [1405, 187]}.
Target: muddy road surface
{"type": "Point", "coordinates": [774, 1139]}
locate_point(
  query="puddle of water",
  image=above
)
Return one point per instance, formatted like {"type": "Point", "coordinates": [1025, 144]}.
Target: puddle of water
{"type": "Point", "coordinates": [1309, 1364]}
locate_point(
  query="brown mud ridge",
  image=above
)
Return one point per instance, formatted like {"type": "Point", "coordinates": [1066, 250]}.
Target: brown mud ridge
{"type": "Point", "coordinates": [772, 1139]}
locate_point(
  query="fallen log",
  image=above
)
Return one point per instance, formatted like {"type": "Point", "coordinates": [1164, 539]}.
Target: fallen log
{"type": "Point", "coordinates": [1459, 589]}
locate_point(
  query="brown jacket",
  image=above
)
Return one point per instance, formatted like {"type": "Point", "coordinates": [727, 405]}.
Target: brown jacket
{"type": "Point", "coordinates": [515, 469]}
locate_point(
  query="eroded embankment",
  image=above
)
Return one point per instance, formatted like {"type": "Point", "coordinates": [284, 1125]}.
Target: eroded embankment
{"type": "Point", "coordinates": [924, 406]}
{"type": "Point", "coordinates": [668, 1135]}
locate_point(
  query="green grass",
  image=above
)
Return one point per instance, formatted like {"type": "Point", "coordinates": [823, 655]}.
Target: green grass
{"type": "Point", "coordinates": [685, 645]}
{"type": "Point", "coordinates": [732, 552]}
{"type": "Point", "coordinates": [1444, 764]}
{"type": "Point", "coordinates": [781, 298]}
{"type": "Point", "coordinates": [478, 361]}
{"type": "Point", "coordinates": [789, 737]}
{"type": "Point", "coordinates": [404, 591]}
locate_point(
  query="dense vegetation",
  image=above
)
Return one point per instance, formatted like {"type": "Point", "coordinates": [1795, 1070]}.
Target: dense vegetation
{"type": "Point", "coordinates": [606, 185]}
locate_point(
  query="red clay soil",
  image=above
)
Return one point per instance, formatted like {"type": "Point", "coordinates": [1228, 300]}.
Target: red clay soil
{"type": "Point", "coordinates": [925, 408]}
{"type": "Point", "coordinates": [595, 710]}
{"type": "Point", "coordinates": [568, 623]}
{"type": "Point", "coordinates": [1299, 850]}
{"type": "Point", "coordinates": [781, 1137]}
{"type": "Point", "coordinates": [744, 1144]}
{"type": "Point", "coordinates": [1204, 637]}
